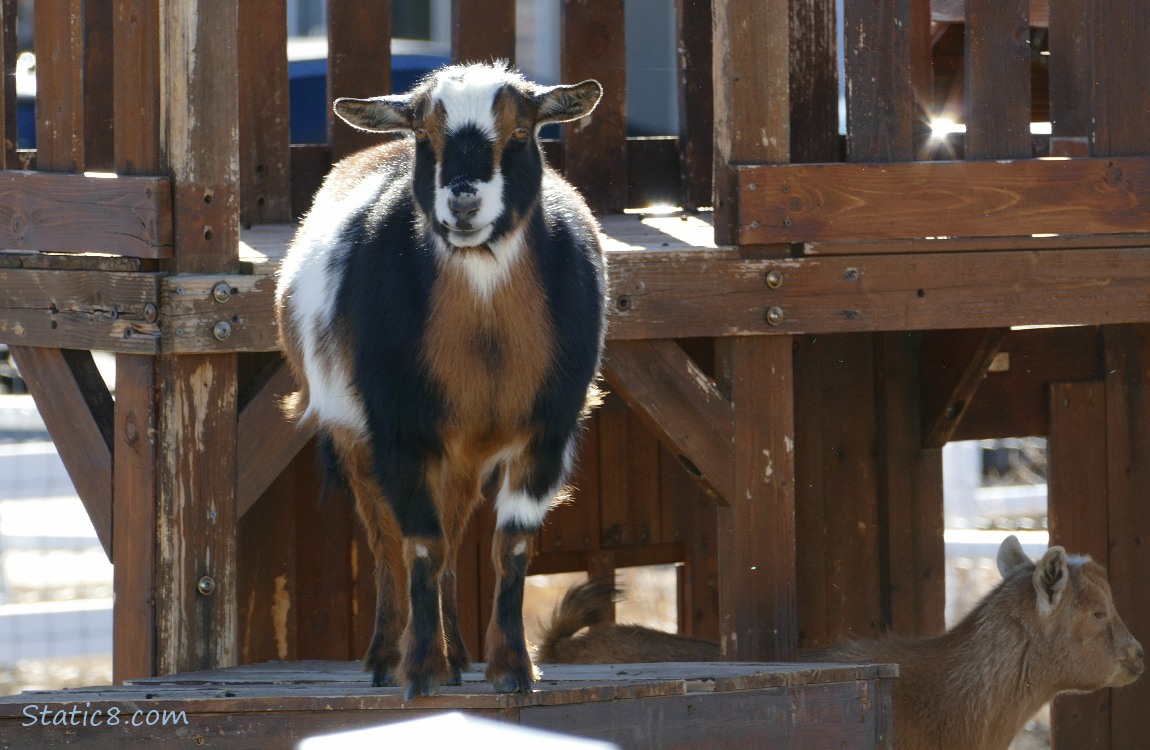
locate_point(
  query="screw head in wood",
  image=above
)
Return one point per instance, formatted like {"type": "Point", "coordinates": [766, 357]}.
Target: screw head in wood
{"type": "Point", "coordinates": [775, 315]}
{"type": "Point", "coordinates": [774, 279]}
{"type": "Point", "coordinates": [206, 585]}
{"type": "Point", "coordinates": [150, 313]}
{"type": "Point", "coordinates": [222, 330]}
{"type": "Point", "coordinates": [221, 292]}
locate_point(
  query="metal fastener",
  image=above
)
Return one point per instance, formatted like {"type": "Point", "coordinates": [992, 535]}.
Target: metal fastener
{"type": "Point", "coordinates": [774, 279]}
{"type": "Point", "coordinates": [150, 313]}
{"type": "Point", "coordinates": [222, 330]}
{"type": "Point", "coordinates": [221, 292]}
{"type": "Point", "coordinates": [206, 585]}
{"type": "Point", "coordinates": [775, 315]}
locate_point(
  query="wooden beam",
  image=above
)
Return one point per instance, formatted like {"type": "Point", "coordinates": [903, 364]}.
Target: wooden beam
{"type": "Point", "coordinates": [135, 486]}
{"type": "Point", "coordinates": [267, 441]}
{"type": "Point", "coordinates": [264, 117]}
{"type": "Point", "coordinates": [757, 605]}
{"type": "Point", "coordinates": [997, 96]}
{"type": "Point", "coordinates": [352, 30]}
{"type": "Point", "coordinates": [77, 409]}
{"type": "Point", "coordinates": [67, 213]}
{"type": "Point", "coordinates": [954, 364]}
{"type": "Point", "coordinates": [8, 84]}
{"type": "Point", "coordinates": [680, 404]}
{"type": "Point", "coordinates": [853, 202]}
{"type": "Point", "coordinates": [204, 313]}
{"type": "Point", "coordinates": [483, 32]}
{"type": "Point", "coordinates": [701, 293]}
{"type": "Point", "coordinates": [696, 102]}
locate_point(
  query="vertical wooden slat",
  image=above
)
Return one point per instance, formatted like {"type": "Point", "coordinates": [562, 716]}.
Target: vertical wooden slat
{"type": "Point", "coordinates": [135, 486]}
{"type": "Point", "coordinates": [1079, 521]}
{"type": "Point", "coordinates": [8, 84]}
{"type": "Point", "coordinates": [696, 101]}
{"type": "Point", "coordinates": [99, 86]}
{"type": "Point", "coordinates": [1070, 76]}
{"type": "Point", "coordinates": [879, 94]}
{"type": "Point", "coordinates": [264, 136]}
{"type": "Point", "coordinates": [836, 496]}
{"type": "Point", "coordinates": [997, 79]}
{"type": "Point", "coordinates": [757, 606]}
{"type": "Point", "coordinates": [136, 41]}
{"type": "Point", "coordinates": [267, 576]}
{"type": "Point", "coordinates": [1128, 475]}
{"type": "Point", "coordinates": [752, 95]}
{"type": "Point", "coordinates": [358, 64]}
{"type": "Point", "coordinates": [482, 32]}
{"type": "Point", "coordinates": [1120, 102]}
{"type": "Point", "coordinates": [814, 82]}
{"type": "Point", "coordinates": [699, 590]}
{"type": "Point", "coordinates": [595, 147]}
{"type": "Point", "coordinates": [59, 43]}
{"type": "Point", "coordinates": [910, 492]}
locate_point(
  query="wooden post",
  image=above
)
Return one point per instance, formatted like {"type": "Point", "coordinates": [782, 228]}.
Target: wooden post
{"type": "Point", "coordinates": [358, 64]}
{"type": "Point", "coordinates": [756, 547]}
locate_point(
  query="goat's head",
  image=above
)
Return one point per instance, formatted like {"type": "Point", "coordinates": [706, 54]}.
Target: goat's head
{"type": "Point", "coordinates": [1074, 616]}
{"type": "Point", "coordinates": [478, 165]}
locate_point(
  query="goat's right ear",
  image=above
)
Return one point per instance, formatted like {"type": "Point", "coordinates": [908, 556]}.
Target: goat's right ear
{"type": "Point", "coordinates": [379, 114]}
{"type": "Point", "coordinates": [1010, 556]}
{"type": "Point", "coordinates": [566, 103]}
{"type": "Point", "coordinates": [1050, 579]}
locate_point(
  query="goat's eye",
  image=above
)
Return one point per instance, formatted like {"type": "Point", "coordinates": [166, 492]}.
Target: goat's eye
{"type": "Point", "coordinates": [420, 134]}
{"type": "Point", "coordinates": [519, 134]}
{"type": "Point", "coordinates": [1099, 615]}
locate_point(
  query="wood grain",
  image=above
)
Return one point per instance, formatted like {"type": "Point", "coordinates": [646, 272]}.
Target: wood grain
{"type": "Point", "coordinates": [942, 199]}
{"type": "Point", "coordinates": [76, 213]}
{"type": "Point", "coordinates": [997, 97]}
{"type": "Point", "coordinates": [955, 364]}
{"type": "Point", "coordinates": [483, 32]}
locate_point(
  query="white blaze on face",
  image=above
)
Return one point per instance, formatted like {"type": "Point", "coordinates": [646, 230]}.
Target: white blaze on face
{"type": "Point", "coordinates": [470, 104]}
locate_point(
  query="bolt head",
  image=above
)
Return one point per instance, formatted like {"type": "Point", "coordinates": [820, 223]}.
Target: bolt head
{"type": "Point", "coordinates": [775, 315]}
{"type": "Point", "coordinates": [206, 585]}
{"type": "Point", "coordinates": [774, 279]}
{"type": "Point", "coordinates": [222, 330]}
{"type": "Point", "coordinates": [221, 292]}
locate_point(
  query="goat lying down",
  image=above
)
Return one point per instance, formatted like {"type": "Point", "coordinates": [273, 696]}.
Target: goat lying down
{"type": "Point", "coordinates": [443, 308]}
{"type": "Point", "coordinates": [1047, 628]}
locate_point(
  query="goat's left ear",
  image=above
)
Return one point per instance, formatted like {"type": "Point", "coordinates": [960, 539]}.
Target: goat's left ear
{"type": "Point", "coordinates": [379, 114]}
{"type": "Point", "coordinates": [1050, 579]}
{"type": "Point", "coordinates": [566, 103]}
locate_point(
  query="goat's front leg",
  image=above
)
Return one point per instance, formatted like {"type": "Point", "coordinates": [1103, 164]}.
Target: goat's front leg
{"type": "Point", "coordinates": [423, 662]}
{"type": "Point", "coordinates": [509, 666]}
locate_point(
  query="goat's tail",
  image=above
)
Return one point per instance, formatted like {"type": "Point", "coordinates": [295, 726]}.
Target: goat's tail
{"type": "Point", "coordinates": [582, 606]}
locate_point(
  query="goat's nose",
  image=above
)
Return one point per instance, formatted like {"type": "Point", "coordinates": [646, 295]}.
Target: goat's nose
{"type": "Point", "coordinates": [463, 206]}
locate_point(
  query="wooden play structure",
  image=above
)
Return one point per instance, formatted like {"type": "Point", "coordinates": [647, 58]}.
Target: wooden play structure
{"type": "Point", "coordinates": [783, 370]}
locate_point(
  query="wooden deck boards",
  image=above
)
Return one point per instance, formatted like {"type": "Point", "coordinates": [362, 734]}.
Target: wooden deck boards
{"type": "Point", "coordinates": [660, 706]}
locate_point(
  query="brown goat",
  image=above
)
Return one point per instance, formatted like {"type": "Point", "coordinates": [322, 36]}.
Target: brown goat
{"type": "Point", "coordinates": [1047, 628]}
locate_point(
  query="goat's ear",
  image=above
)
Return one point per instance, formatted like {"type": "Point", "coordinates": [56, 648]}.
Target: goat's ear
{"type": "Point", "coordinates": [566, 103]}
{"type": "Point", "coordinates": [1010, 556]}
{"type": "Point", "coordinates": [378, 114]}
{"type": "Point", "coordinates": [1050, 579]}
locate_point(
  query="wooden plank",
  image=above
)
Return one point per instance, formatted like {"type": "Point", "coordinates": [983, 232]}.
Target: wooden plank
{"type": "Point", "coordinates": [997, 100]}
{"type": "Point", "coordinates": [910, 492]}
{"type": "Point", "coordinates": [954, 11]}
{"type": "Point", "coordinates": [77, 410]}
{"type": "Point", "coordinates": [826, 202]}
{"type": "Point", "coordinates": [98, 72]}
{"type": "Point", "coordinates": [837, 525]}
{"type": "Point", "coordinates": [79, 309]}
{"type": "Point", "coordinates": [814, 89]}
{"type": "Point", "coordinates": [954, 365]}
{"type": "Point", "coordinates": [1070, 77]}
{"type": "Point", "coordinates": [77, 213]}
{"type": "Point", "coordinates": [267, 440]}
{"type": "Point", "coordinates": [628, 465]}
{"type": "Point", "coordinates": [674, 295]}
{"type": "Point", "coordinates": [135, 488]}
{"type": "Point", "coordinates": [1079, 521]}
{"type": "Point", "coordinates": [8, 85]}
{"type": "Point", "coordinates": [1013, 400]}
{"type": "Point", "coordinates": [1121, 83]}
{"type": "Point", "coordinates": [264, 127]}
{"type": "Point", "coordinates": [751, 42]}
{"type": "Point", "coordinates": [352, 30]}
{"type": "Point", "coordinates": [196, 513]}
{"type": "Point", "coordinates": [696, 102]}
{"type": "Point", "coordinates": [680, 404]}
{"type": "Point", "coordinates": [1128, 475]}
{"type": "Point", "coordinates": [191, 313]}
{"type": "Point", "coordinates": [483, 32]}
{"type": "Point", "coordinates": [59, 41]}
{"type": "Point", "coordinates": [880, 97]}
{"type": "Point", "coordinates": [595, 147]}
{"type": "Point", "coordinates": [136, 81]}
{"type": "Point", "coordinates": [757, 606]}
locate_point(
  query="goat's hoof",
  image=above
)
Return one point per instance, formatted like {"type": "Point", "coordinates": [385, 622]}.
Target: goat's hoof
{"type": "Point", "coordinates": [382, 677]}
{"type": "Point", "coordinates": [512, 683]}
{"type": "Point", "coordinates": [456, 678]}
{"type": "Point", "coordinates": [427, 687]}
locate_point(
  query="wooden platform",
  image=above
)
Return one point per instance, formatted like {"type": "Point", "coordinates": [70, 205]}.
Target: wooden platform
{"type": "Point", "coordinates": [656, 706]}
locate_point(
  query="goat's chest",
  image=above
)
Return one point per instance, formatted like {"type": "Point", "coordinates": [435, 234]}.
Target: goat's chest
{"type": "Point", "coordinates": [489, 353]}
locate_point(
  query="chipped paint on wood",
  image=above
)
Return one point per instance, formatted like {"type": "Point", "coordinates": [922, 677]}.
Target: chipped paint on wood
{"type": "Point", "coordinates": [281, 606]}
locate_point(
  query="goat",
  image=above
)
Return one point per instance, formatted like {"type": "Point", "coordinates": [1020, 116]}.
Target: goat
{"type": "Point", "coordinates": [1047, 628]}
{"type": "Point", "coordinates": [443, 308]}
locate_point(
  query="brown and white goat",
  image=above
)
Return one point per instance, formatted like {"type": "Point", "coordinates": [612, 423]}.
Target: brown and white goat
{"type": "Point", "coordinates": [442, 306]}
{"type": "Point", "coordinates": [1047, 628]}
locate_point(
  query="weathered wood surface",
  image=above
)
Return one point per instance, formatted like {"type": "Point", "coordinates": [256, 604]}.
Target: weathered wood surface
{"type": "Point", "coordinates": [636, 705]}
{"type": "Point", "coordinates": [859, 202]}
{"type": "Point", "coordinates": [955, 364]}
{"type": "Point", "coordinates": [78, 213]}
